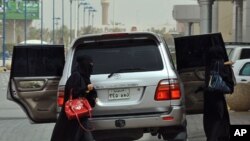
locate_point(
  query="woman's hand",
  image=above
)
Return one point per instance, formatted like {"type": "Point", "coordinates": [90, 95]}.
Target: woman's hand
{"type": "Point", "coordinates": [90, 87]}
{"type": "Point", "coordinates": [229, 63]}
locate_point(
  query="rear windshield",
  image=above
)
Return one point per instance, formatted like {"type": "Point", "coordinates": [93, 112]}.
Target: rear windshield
{"type": "Point", "coordinates": [108, 57]}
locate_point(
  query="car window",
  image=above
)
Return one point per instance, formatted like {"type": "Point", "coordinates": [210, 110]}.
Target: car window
{"type": "Point", "coordinates": [230, 53]}
{"type": "Point", "coordinates": [111, 56]}
{"type": "Point", "coordinates": [245, 70]}
{"type": "Point", "coordinates": [171, 54]}
{"type": "Point", "coordinates": [37, 61]}
{"type": "Point", "coordinates": [245, 53]}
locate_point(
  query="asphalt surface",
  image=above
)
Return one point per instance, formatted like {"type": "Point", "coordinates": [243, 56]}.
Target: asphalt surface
{"type": "Point", "coordinates": [14, 126]}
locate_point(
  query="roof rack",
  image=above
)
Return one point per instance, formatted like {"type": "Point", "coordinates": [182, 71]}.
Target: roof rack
{"type": "Point", "coordinates": [237, 43]}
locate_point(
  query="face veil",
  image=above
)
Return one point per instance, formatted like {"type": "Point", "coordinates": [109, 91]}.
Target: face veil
{"type": "Point", "coordinates": [85, 66]}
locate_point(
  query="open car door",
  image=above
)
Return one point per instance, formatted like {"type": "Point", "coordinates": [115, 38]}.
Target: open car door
{"type": "Point", "coordinates": [35, 74]}
{"type": "Point", "coordinates": [191, 60]}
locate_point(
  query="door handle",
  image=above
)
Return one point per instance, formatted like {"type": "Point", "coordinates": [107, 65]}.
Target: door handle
{"type": "Point", "coordinates": [243, 80]}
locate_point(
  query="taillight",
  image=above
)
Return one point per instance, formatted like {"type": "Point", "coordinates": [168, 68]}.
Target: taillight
{"type": "Point", "coordinates": [60, 96]}
{"type": "Point", "coordinates": [168, 118]}
{"type": "Point", "coordinates": [168, 90]}
{"type": "Point", "coordinates": [162, 92]}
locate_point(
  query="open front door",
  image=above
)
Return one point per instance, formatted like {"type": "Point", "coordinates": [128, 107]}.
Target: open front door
{"type": "Point", "coordinates": [190, 57]}
{"type": "Point", "coordinates": [35, 73]}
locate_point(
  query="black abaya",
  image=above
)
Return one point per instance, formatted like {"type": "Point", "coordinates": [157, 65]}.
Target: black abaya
{"type": "Point", "coordinates": [69, 130]}
{"type": "Point", "coordinates": [216, 118]}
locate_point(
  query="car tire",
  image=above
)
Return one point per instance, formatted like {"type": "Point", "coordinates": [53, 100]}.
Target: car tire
{"type": "Point", "coordinates": [178, 133]}
{"type": "Point", "coordinates": [116, 139]}
{"type": "Point", "coordinates": [182, 136]}
{"type": "Point", "coordinates": [118, 135]}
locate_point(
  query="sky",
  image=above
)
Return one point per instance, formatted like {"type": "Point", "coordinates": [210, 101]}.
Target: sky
{"type": "Point", "coordinates": [150, 13]}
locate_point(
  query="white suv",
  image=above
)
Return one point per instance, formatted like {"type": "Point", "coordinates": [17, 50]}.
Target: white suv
{"type": "Point", "coordinates": [139, 89]}
{"type": "Point", "coordinates": [237, 51]}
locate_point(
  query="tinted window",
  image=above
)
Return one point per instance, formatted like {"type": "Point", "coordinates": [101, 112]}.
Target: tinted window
{"type": "Point", "coordinates": [245, 70]}
{"type": "Point", "coordinates": [37, 61]}
{"type": "Point", "coordinates": [245, 53]}
{"type": "Point", "coordinates": [111, 56]}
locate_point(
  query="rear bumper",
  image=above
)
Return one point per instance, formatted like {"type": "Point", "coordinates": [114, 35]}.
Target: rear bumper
{"type": "Point", "coordinates": [141, 121]}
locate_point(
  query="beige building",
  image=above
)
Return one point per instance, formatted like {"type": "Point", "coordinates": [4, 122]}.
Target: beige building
{"type": "Point", "coordinates": [223, 19]}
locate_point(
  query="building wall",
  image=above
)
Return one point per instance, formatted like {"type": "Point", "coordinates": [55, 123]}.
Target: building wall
{"type": "Point", "coordinates": [225, 20]}
{"type": "Point", "coordinates": [196, 29]}
{"type": "Point", "coordinates": [246, 21]}
{"type": "Point", "coordinates": [181, 28]}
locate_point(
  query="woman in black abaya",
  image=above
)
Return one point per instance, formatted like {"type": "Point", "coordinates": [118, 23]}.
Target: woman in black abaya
{"type": "Point", "coordinates": [79, 83]}
{"type": "Point", "coordinates": [216, 118]}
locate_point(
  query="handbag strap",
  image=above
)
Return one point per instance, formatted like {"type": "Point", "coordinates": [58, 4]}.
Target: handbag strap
{"type": "Point", "coordinates": [216, 67]}
{"type": "Point", "coordinates": [79, 122]}
{"type": "Point", "coordinates": [71, 93]}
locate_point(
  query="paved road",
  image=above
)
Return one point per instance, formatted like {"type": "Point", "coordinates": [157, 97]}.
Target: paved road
{"type": "Point", "coordinates": [14, 126]}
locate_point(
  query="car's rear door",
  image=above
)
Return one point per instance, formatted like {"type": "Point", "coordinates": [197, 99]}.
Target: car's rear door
{"type": "Point", "coordinates": [35, 73]}
{"type": "Point", "coordinates": [190, 57]}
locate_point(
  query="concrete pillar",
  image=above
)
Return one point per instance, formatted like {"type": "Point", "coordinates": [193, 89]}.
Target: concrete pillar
{"type": "Point", "coordinates": [105, 7]}
{"type": "Point", "coordinates": [188, 28]}
{"type": "Point", "coordinates": [246, 21]}
{"type": "Point", "coordinates": [206, 16]}
{"type": "Point", "coordinates": [237, 20]}
{"type": "Point", "coordinates": [215, 17]}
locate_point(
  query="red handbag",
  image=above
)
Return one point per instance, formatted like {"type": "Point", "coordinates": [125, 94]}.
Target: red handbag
{"type": "Point", "coordinates": [77, 108]}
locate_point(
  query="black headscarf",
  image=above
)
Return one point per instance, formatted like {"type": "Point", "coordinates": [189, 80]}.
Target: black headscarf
{"type": "Point", "coordinates": [85, 67]}
{"type": "Point", "coordinates": [215, 53]}
{"type": "Point", "coordinates": [214, 61]}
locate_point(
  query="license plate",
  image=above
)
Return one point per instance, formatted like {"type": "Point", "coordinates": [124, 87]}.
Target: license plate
{"type": "Point", "coordinates": [118, 94]}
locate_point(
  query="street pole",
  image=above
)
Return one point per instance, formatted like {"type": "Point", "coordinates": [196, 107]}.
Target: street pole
{"type": "Point", "coordinates": [25, 23]}
{"type": "Point", "coordinates": [85, 6]}
{"type": "Point", "coordinates": [93, 15]}
{"type": "Point", "coordinates": [77, 15]}
{"type": "Point", "coordinates": [79, 4]}
{"type": "Point", "coordinates": [70, 20]}
{"type": "Point", "coordinates": [114, 15]}
{"type": "Point", "coordinates": [92, 19]}
{"type": "Point", "coordinates": [41, 21]}
{"type": "Point", "coordinates": [89, 17]}
{"type": "Point", "coordinates": [53, 38]}
{"type": "Point", "coordinates": [62, 22]}
{"type": "Point", "coordinates": [14, 32]}
{"type": "Point", "coordinates": [4, 24]}
{"type": "Point", "coordinates": [56, 22]}
{"type": "Point", "coordinates": [84, 11]}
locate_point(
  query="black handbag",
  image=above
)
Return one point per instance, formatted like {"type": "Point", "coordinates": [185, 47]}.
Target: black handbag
{"type": "Point", "coordinates": [216, 82]}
